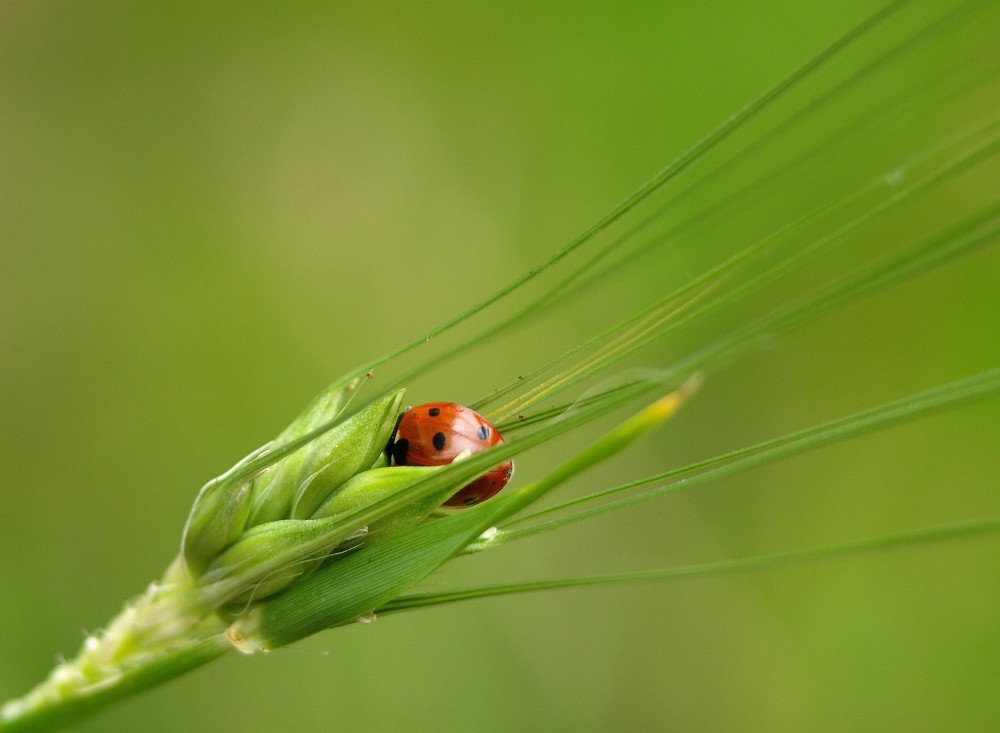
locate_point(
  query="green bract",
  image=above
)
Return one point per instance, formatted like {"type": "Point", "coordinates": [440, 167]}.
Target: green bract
{"type": "Point", "coordinates": [299, 478]}
{"type": "Point", "coordinates": [269, 557]}
{"type": "Point", "coordinates": [302, 481]}
{"type": "Point", "coordinates": [367, 487]}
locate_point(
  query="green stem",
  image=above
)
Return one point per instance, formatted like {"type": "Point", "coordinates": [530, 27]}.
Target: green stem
{"type": "Point", "coordinates": [952, 395]}
{"type": "Point", "coordinates": [669, 173]}
{"type": "Point", "coordinates": [704, 570]}
{"type": "Point", "coordinates": [44, 709]}
{"type": "Point", "coordinates": [162, 634]}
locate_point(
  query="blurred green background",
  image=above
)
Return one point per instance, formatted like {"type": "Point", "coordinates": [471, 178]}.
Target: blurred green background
{"type": "Point", "coordinates": [208, 213]}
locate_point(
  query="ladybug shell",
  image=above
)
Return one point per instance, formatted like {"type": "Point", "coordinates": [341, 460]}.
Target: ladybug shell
{"type": "Point", "coordinates": [434, 434]}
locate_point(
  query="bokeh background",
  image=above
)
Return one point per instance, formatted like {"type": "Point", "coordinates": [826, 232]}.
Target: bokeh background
{"type": "Point", "coordinates": [209, 212]}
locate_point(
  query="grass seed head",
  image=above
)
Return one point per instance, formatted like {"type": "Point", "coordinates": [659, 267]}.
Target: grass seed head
{"type": "Point", "coordinates": [219, 536]}
{"type": "Point", "coordinates": [300, 482]}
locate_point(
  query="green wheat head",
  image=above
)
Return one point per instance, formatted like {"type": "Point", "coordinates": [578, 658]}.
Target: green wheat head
{"type": "Point", "coordinates": [314, 530]}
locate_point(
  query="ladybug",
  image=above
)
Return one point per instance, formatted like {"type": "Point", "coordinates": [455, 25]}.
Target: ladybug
{"type": "Point", "coordinates": [435, 434]}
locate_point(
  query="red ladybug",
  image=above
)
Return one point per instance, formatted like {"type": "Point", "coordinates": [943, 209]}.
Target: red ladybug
{"type": "Point", "coordinates": [434, 434]}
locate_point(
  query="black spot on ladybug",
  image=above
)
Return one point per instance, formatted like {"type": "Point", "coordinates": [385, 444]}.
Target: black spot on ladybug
{"type": "Point", "coordinates": [399, 449]}
{"type": "Point", "coordinates": [434, 411]}
{"type": "Point", "coordinates": [483, 432]}
{"type": "Point", "coordinates": [438, 440]}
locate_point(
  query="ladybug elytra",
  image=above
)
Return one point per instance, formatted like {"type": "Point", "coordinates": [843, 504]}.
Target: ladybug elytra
{"type": "Point", "coordinates": [434, 434]}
